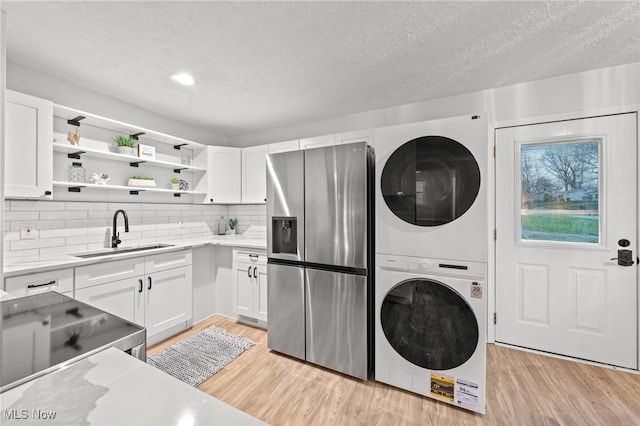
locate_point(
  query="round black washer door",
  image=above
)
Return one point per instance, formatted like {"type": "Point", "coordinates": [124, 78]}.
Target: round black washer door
{"type": "Point", "coordinates": [429, 324]}
{"type": "Point", "coordinates": [430, 181]}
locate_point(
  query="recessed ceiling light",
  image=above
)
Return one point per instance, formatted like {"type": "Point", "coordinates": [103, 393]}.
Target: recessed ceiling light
{"type": "Point", "coordinates": [183, 78]}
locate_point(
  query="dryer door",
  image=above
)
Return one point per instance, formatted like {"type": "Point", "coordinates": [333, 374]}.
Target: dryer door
{"type": "Point", "coordinates": [429, 324]}
{"type": "Point", "coordinates": [430, 181]}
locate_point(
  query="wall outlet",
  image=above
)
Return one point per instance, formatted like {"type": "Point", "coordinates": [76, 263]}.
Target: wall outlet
{"type": "Point", "coordinates": [27, 231]}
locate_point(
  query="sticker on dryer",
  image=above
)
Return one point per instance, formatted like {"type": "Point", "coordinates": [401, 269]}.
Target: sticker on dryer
{"type": "Point", "coordinates": [442, 387]}
{"type": "Point", "coordinates": [467, 394]}
{"type": "Point", "coordinates": [476, 290]}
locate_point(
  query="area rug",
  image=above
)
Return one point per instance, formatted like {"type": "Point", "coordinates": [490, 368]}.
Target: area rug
{"type": "Point", "coordinates": [200, 356]}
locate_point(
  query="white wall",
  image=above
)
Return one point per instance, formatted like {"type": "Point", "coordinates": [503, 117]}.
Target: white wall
{"type": "Point", "coordinates": [587, 91]}
{"type": "Point", "coordinates": [61, 92]}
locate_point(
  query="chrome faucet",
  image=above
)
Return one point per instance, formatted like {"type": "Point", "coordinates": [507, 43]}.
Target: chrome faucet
{"type": "Point", "coordinates": [115, 238]}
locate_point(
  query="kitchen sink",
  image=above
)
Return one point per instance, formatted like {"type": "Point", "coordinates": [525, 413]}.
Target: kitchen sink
{"type": "Point", "coordinates": [113, 251]}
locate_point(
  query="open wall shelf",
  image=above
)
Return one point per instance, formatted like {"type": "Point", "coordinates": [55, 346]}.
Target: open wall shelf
{"type": "Point", "coordinates": [78, 151]}
{"type": "Point", "coordinates": [78, 187]}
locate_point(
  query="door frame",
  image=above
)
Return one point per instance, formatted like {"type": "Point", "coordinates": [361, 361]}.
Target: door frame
{"type": "Point", "coordinates": [491, 193]}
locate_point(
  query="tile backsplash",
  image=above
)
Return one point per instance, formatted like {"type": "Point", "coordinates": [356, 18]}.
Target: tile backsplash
{"type": "Point", "coordinates": [65, 227]}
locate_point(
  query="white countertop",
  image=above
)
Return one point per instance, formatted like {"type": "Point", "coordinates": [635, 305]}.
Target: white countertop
{"type": "Point", "coordinates": [15, 266]}
{"type": "Point", "coordinates": [111, 388]}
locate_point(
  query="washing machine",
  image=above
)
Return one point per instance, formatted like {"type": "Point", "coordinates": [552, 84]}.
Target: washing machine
{"type": "Point", "coordinates": [431, 196]}
{"type": "Point", "coordinates": [430, 328]}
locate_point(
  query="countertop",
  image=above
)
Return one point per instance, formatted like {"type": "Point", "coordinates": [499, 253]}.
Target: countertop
{"type": "Point", "coordinates": [16, 267]}
{"type": "Point", "coordinates": [111, 388]}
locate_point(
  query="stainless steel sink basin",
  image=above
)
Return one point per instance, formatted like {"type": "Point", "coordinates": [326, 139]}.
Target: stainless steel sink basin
{"type": "Point", "coordinates": [113, 251]}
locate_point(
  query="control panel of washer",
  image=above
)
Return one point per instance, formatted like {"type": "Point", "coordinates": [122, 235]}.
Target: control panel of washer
{"type": "Point", "coordinates": [431, 265]}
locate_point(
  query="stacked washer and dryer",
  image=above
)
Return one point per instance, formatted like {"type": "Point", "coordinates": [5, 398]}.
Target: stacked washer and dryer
{"type": "Point", "coordinates": [431, 259]}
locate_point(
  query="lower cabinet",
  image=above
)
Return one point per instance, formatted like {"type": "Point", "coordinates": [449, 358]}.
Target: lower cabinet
{"type": "Point", "coordinates": [60, 280]}
{"type": "Point", "coordinates": [250, 284]}
{"type": "Point", "coordinates": [156, 294]}
{"type": "Point", "coordinates": [119, 298]}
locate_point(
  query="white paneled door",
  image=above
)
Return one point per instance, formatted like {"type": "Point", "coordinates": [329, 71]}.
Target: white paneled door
{"type": "Point", "coordinates": [565, 207]}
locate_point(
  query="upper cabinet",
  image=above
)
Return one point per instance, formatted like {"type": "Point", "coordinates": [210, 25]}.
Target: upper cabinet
{"type": "Point", "coordinates": [285, 146]}
{"type": "Point", "coordinates": [254, 174]}
{"type": "Point", "coordinates": [224, 176]}
{"type": "Point", "coordinates": [365, 135]}
{"type": "Point", "coordinates": [317, 141]}
{"type": "Point", "coordinates": [28, 160]}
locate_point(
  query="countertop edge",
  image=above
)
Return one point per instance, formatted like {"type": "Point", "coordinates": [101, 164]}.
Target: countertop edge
{"type": "Point", "coordinates": [69, 261]}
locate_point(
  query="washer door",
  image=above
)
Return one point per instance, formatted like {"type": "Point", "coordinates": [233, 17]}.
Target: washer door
{"type": "Point", "coordinates": [429, 324]}
{"type": "Point", "coordinates": [430, 181]}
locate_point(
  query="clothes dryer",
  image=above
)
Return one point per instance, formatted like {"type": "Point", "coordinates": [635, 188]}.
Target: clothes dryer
{"type": "Point", "coordinates": [431, 196]}
{"type": "Point", "coordinates": [430, 328]}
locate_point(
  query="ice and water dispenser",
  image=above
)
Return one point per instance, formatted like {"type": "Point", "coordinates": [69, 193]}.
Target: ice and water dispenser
{"type": "Point", "coordinates": [285, 235]}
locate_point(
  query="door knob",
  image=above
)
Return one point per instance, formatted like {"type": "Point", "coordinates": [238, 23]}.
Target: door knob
{"type": "Point", "coordinates": [625, 257]}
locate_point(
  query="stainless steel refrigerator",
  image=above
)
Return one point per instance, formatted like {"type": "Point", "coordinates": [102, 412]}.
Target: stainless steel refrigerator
{"type": "Point", "coordinates": [320, 256]}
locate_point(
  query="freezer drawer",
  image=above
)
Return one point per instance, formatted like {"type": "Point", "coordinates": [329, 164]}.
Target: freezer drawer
{"type": "Point", "coordinates": [336, 321]}
{"type": "Point", "coordinates": [285, 303]}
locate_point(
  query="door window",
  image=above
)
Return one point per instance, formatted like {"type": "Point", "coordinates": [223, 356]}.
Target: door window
{"type": "Point", "coordinates": [560, 191]}
{"type": "Point", "coordinates": [430, 181]}
{"type": "Point", "coordinates": [429, 324]}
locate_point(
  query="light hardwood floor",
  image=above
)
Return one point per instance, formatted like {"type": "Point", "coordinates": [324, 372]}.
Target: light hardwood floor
{"type": "Point", "coordinates": [522, 389]}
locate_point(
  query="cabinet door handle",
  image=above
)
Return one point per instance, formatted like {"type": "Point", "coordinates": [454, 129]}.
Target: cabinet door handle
{"type": "Point", "coordinates": [41, 285]}
{"type": "Point", "coordinates": [249, 272]}
{"type": "Point", "coordinates": [140, 289]}
{"type": "Point", "coordinates": [253, 256]}
{"type": "Point", "coordinates": [149, 287]}
{"type": "Point", "coordinates": [255, 272]}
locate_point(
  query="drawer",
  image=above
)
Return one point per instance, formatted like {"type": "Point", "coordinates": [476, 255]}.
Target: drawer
{"type": "Point", "coordinates": [100, 273]}
{"type": "Point", "coordinates": [60, 280]}
{"type": "Point", "coordinates": [162, 262]}
{"type": "Point", "coordinates": [255, 257]}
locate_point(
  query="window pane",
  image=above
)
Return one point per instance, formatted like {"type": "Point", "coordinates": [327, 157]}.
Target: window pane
{"type": "Point", "coordinates": [560, 192]}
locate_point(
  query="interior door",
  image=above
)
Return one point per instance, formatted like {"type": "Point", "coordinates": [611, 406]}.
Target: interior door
{"type": "Point", "coordinates": [565, 209]}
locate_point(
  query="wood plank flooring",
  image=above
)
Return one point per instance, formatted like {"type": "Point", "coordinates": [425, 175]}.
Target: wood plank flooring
{"type": "Point", "coordinates": [522, 389]}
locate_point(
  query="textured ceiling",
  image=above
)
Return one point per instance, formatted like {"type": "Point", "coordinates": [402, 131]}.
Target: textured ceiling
{"type": "Point", "coordinates": [262, 65]}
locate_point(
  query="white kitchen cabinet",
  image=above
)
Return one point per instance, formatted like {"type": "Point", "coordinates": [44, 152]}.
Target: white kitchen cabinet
{"type": "Point", "coordinates": [285, 146]}
{"type": "Point", "coordinates": [317, 142]}
{"type": "Point", "coordinates": [254, 174]}
{"type": "Point", "coordinates": [123, 298]}
{"type": "Point", "coordinates": [224, 175]}
{"type": "Point", "coordinates": [364, 135]}
{"type": "Point", "coordinates": [28, 156]}
{"type": "Point", "coordinates": [168, 299]}
{"type": "Point", "coordinates": [60, 280]}
{"type": "Point", "coordinates": [250, 284]}
{"type": "Point", "coordinates": [153, 291]}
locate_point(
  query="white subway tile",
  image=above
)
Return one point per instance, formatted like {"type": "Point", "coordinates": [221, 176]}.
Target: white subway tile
{"type": "Point", "coordinates": [22, 254]}
{"type": "Point", "coordinates": [39, 243]}
{"type": "Point", "coordinates": [63, 214]}
{"type": "Point", "coordinates": [76, 248]}
{"type": "Point", "coordinates": [112, 207]}
{"type": "Point", "coordinates": [98, 230]}
{"type": "Point", "coordinates": [66, 232]}
{"type": "Point", "coordinates": [87, 206]}
{"type": "Point", "coordinates": [85, 239]}
{"type": "Point", "coordinates": [12, 235]}
{"type": "Point", "coordinates": [23, 216]}
{"type": "Point", "coordinates": [36, 205]}
{"type": "Point", "coordinates": [100, 214]}
{"type": "Point", "coordinates": [88, 223]}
